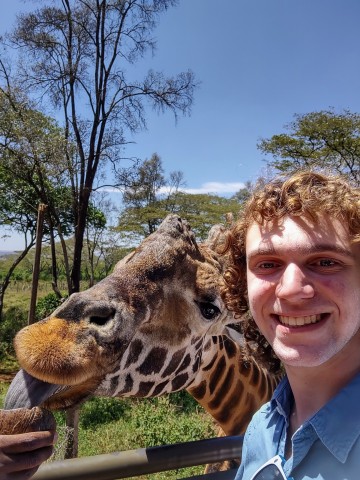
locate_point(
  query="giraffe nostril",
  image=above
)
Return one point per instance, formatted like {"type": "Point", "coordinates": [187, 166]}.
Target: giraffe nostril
{"type": "Point", "coordinates": [102, 319]}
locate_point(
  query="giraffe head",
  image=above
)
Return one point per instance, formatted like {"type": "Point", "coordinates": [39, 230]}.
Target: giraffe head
{"type": "Point", "coordinates": [138, 332]}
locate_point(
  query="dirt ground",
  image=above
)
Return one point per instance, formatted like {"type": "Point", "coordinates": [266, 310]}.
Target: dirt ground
{"type": "Point", "coordinates": [6, 377]}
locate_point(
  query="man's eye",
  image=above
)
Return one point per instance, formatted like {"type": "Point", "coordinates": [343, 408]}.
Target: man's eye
{"type": "Point", "coordinates": [266, 265]}
{"type": "Point", "coordinates": [329, 265]}
{"type": "Point", "coordinates": [326, 262]}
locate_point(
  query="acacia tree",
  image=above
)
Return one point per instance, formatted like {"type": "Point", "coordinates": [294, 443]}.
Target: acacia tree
{"type": "Point", "coordinates": [145, 204]}
{"type": "Point", "coordinates": [17, 212]}
{"type": "Point", "coordinates": [153, 196]}
{"type": "Point", "coordinates": [95, 232]}
{"type": "Point", "coordinates": [203, 210]}
{"type": "Point", "coordinates": [147, 200]}
{"type": "Point", "coordinates": [32, 150]}
{"type": "Point", "coordinates": [79, 54]}
{"type": "Point", "coordinates": [325, 140]}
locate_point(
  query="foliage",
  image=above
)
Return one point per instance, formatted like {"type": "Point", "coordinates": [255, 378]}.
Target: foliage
{"type": "Point", "coordinates": [171, 425]}
{"type": "Point", "coordinates": [138, 423]}
{"type": "Point", "coordinates": [46, 305]}
{"type": "Point", "coordinates": [83, 70]}
{"type": "Point", "coordinates": [243, 194]}
{"type": "Point", "coordinates": [3, 390]}
{"type": "Point", "coordinates": [14, 319]}
{"type": "Point", "coordinates": [203, 210]}
{"type": "Point", "coordinates": [185, 402]}
{"type": "Point", "coordinates": [146, 206]}
{"type": "Point", "coordinates": [98, 411]}
{"type": "Point", "coordinates": [32, 152]}
{"type": "Point", "coordinates": [318, 140]}
{"type": "Point", "coordinates": [96, 238]}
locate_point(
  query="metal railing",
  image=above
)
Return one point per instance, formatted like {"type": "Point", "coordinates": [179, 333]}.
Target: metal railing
{"type": "Point", "coordinates": [145, 461]}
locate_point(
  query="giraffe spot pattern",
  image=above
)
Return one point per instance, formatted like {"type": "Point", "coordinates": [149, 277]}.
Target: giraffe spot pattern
{"type": "Point", "coordinates": [223, 389]}
{"type": "Point", "coordinates": [129, 383]}
{"type": "Point", "coordinates": [211, 364]}
{"type": "Point", "coordinates": [214, 378]}
{"type": "Point", "coordinates": [135, 349]}
{"type": "Point", "coordinates": [199, 391]}
{"type": "Point", "coordinates": [185, 363]}
{"type": "Point", "coordinates": [159, 389]}
{"type": "Point", "coordinates": [174, 362]}
{"type": "Point", "coordinates": [154, 361]}
{"type": "Point", "coordinates": [196, 365]}
{"type": "Point", "coordinates": [144, 388]}
{"type": "Point", "coordinates": [180, 381]}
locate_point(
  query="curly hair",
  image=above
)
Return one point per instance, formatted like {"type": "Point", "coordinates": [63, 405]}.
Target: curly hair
{"type": "Point", "coordinates": [306, 194]}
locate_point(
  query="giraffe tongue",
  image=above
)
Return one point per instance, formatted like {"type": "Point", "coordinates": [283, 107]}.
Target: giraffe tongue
{"type": "Point", "coordinates": [26, 391]}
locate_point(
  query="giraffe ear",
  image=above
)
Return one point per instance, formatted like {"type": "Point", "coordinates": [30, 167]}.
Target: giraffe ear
{"type": "Point", "coordinates": [218, 233]}
{"type": "Point", "coordinates": [216, 237]}
{"type": "Point", "coordinates": [234, 334]}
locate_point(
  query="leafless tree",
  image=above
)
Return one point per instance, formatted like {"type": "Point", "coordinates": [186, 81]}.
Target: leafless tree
{"type": "Point", "coordinates": [79, 55]}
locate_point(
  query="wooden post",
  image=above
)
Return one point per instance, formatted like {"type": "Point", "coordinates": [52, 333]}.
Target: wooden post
{"type": "Point", "coordinates": [35, 281]}
{"type": "Point", "coordinates": [72, 433]}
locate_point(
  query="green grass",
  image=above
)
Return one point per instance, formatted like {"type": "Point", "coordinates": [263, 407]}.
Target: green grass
{"type": "Point", "coordinates": [109, 425]}
{"type": "Point", "coordinates": [3, 389]}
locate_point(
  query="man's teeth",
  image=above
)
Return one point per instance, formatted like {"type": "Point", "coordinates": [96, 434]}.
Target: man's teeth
{"type": "Point", "coordinates": [299, 321]}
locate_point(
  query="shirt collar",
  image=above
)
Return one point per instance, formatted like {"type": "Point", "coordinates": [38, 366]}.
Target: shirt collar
{"type": "Point", "coordinates": [282, 398]}
{"type": "Point", "coordinates": [336, 424]}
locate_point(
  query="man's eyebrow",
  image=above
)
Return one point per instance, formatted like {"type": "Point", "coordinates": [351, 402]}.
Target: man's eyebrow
{"type": "Point", "coordinates": [318, 248]}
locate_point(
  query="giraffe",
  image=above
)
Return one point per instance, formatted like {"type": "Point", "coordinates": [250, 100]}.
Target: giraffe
{"type": "Point", "coordinates": [156, 325]}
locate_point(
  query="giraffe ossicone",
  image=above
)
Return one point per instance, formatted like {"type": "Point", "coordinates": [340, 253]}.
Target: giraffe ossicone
{"type": "Point", "coordinates": [156, 325]}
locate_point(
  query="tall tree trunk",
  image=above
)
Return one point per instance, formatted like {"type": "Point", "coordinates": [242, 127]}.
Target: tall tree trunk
{"type": "Point", "coordinates": [66, 258]}
{"type": "Point", "coordinates": [36, 271]}
{"type": "Point", "coordinates": [54, 273]}
{"type": "Point", "coordinates": [79, 240]}
{"type": "Point", "coordinates": [72, 433]}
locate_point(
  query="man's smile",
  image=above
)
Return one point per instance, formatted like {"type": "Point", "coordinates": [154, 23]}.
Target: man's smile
{"type": "Point", "coordinates": [291, 321]}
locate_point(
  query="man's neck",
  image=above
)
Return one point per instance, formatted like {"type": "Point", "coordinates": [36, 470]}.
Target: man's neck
{"type": "Point", "coordinates": [313, 387]}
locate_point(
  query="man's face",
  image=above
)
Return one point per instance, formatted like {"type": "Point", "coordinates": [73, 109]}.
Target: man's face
{"type": "Point", "coordinates": [304, 288]}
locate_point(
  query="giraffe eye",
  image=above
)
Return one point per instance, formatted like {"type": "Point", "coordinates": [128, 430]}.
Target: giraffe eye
{"type": "Point", "coordinates": [208, 310]}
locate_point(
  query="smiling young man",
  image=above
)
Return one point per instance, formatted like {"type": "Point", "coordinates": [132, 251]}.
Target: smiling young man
{"type": "Point", "coordinates": [298, 246]}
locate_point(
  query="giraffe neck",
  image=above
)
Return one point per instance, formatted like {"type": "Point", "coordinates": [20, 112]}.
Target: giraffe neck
{"type": "Point", "coordinates": [229, 388]}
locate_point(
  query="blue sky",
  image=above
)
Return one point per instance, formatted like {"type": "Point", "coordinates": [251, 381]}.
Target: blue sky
{"type": "Point", "coordinates": [259, 62]}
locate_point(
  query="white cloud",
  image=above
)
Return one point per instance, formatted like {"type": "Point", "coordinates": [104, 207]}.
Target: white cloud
{"type": "Point", "coordinates": [217, 188]}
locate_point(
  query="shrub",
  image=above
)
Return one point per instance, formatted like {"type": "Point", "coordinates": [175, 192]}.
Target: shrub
{"type": "Point", "coordinates": [162, 422]}
{"type": "Point", "coordinates": [185, 401]}
{"type": "Point", "coordinates": [14, 319]}
{"type": "Point", "coordinates": [46, 305]}
{"type": "Point", "coordinates": [99, 410]}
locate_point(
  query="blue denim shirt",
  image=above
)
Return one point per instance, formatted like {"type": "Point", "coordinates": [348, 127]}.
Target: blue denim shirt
{"type": "Point", "coordinates": [326, 447]}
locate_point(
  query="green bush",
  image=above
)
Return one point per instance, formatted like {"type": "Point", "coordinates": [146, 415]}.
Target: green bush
{"type": "Point", "coordinates": [14, 319]}
{"type": "Point", "coordinates": [99, 410]}
{"type": "Point", "coordinates": [185, 401]}
{"type": "Point", "coordinates": [162, 422]}
{"type": "Point", "coordinates": [46, 305]}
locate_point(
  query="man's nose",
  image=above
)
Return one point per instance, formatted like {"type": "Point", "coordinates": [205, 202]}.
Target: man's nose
{"type": "Point", "coordinates": [293, 284]}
